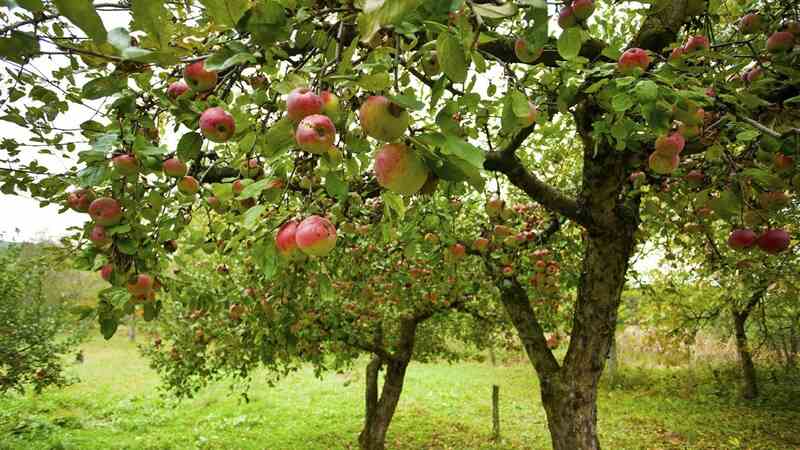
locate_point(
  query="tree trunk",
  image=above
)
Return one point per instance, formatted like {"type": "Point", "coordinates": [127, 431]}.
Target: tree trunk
{"type": "Point", "coordinates": [612, 361]}
{"type": "Point", "coordinates": [749, 381]}
{"type": "Point", "coordinates": [132, 328]}
{"type": "Point", "coordinates": [380, 411]}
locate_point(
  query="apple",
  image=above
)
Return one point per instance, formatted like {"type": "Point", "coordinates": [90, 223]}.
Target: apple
{"type": "Point", "coordinates": [301, 103]}
{"type": "Point", "coordinates": [670, 145]}
{"type": "Point", "coordinates": [773, 241]}
{"type": "Point", "coordinates": [481, 244]}
{"type": "Point", "coordinates": [688, 112]}
{"type": "Point", "coordinates": [633, 60]}
{"type": "Point", "coordinates": [383, 119]}
{"type": "Point", "coordinates": [433, 238]}
{"type": "Point", "coordinates": [80, 199]}
{"type": "Point", "coordinates": [215, 204]}
{"type": "Point", "coordinates": [530, 119]}
{"type": "Point", "coordinates": [753, 74]}
{"type": "Point", "coordinates": [501, 231]}
{"type": "Point", "coordinates": [566, 18]}
{"type": "Point", "coordinates": [217, 124]}
{"type": "Point", "coordinates": [637, 179]}
{"type": "Point", "coordinates": [457, 251]}
{"type": "Point", "coordinates": [125, 165]}
{"type": "Point", "coordinates": [525, 53]}
{"type": "Point", "coordinates": [507, 271]}
{"type": "Point", "coordinates": [315, 134]}
{"type": "Point", "coordinates": [494, 207]}
{"type": "Point", "coordinates": [316, 236]}
{"type": "Point", "coordinates": [695, 177]}
{"type": "Point", "coordinates": [198, 78]}
{"type": "Point", "coordinates": [238, 185]}
{"type": "Point", "coordinates": [171, 246]}
{"type": "Point", "coordinates": [106, 271]}
{"type": "Point", "coordinates": [750, 23]}
{"type": "Point", "coordinates": [430, 65]}
{"type": "Point", "coordinates": [582, 8]}
{"type": "Point", "coordinates": [780, 41]}
{"type": "Point", "coordinates": [285, 240]}
{"type": "Point", "coordinates": [99, 237]}
{"type": "Point", "coordinates": [742, 239]}
{"type": "Point", "coordinates": [696, 43]}
{"type": "Point", "coordinates": [689, 131]}
{"type": "Point", "coordinates": [140, 285]}
{"type": "Point", "coordinates": [783, 162]}
{"type": "Point", "coordinates": [235, 312]}
{"type": "Point", "coordinates": [663, 164]}
{"type": "Point", "coordinates": [677, 54]}
{"type": "Point", "coordinates": [773, 200]}
{"type": "Point", "coordinates": [177, 89]}
{"type": "Point", "coordinates": [188, 185]}
{"type": "Point", "coordinates": [250, 169]}
{"type": "Point", "coordinates": [791, 26]}
{"type": "Point", "coordinates": [330, 104]}
{"type": "Point", "coordinates": [400, 169]}
{"type": "Point", "coordinates": [175, 168]}
{"type": "Point", "coordinates": [105, 211]}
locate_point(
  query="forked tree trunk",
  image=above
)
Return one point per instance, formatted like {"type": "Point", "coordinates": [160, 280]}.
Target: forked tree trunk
{"type": "Point", "coordinates": [379, 411]}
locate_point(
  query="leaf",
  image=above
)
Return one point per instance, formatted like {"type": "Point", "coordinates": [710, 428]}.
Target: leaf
{"type": "Point", "coordinates": [225, 13]}
{"type": "Point", "coordinates": [120, 38]}
{"type": "Point", "coordinates": [189, 146]}
{"type": "Point", "coordinates": [622, 102]}
{"type": "Point", "coordinates": [335, 186]}
{"type": "Point", "coordinates": [467, 152]}
{"type": "Point", "coordinates": [379, 13]}
{"type": "Point", "coordinates": [221, 61]}
{"type": "Point", "coordinates": [103, 87]}
{"type": "Point", "coordinates": [254, 189]}
{"type": "Point", "coordinates": [84, 16]}
{"type": "Point", "coordinates": [267, 23]}
{"type": "Point", "coordinates": [252, 216]}
{"type": "Point", "coordinates": [19, 46]}
{"type": "Point", "coordinates": [108, 327]}
{"type": "Point", "coordinates": [127, 246]}
{"type": "Point", "coordinates": [375, 82]}
{"type": "Point", "coordinates": [407, 102]}
{"type": "Point", "coordinates": [727, 205]}
{"type": "Point", "coordinates": [490, 11]}
{"type": "Point", "coordinates": [153, 18]}
{"type": "Point", "coordinates": [395, 203]}
{"type": "Point", "coordinates": [279, 137]}
{"type": "Point", "coordinates": [569, 43]}
{"type": "Point", "coordinates": [31, 5]}
{"type": "Point", "coordinates": [646, 91]}
{"type": "Point", "coordinates": [452, 57]}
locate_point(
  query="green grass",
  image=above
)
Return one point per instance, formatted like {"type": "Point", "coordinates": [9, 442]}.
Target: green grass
{"type": "Point", "coordinates": [117, 406]}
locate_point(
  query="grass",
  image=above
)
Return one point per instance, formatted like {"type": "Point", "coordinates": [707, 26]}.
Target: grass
{"type": "Point", "coordinates": [117, 406]}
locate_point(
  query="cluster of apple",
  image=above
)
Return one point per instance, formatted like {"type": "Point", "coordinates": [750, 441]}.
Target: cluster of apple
{"type": "Point", "coordinates": [666, 157]}
{"type": "Point", "coordinates": [315, 132]}
{"type": "Point", "coordinates": [314, 236]}
{"type": "Point", "coordinates": [216, 124]}
{"type": "Point", "coordinates": [575, 13]}
{"type": "Point", "coordinates": [545, 278]}
{"type": "Point", "coordinates": [773, 241]}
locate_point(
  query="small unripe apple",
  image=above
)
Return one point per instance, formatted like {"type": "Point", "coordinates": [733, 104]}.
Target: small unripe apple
{"type": "Point", "coordinates": [773, 241]}
{"type": "Point", "coordinates": [140, 285]}
{"type": "Point", "coordinates": [495, 207]}
{"type": "Point", "coordinates": [742, 239]}
{"type": "Point", "coordinates": [430, 64]}
{"type": "Point", "coordinates": [215, 204]}
{"type": "Point", "coordinates": [671, 144]}
{"type": "Point", "coordinates": [105, 211]}
{"type": "Point", "coordinates": [750, 23]}
{"type": "Point", "coordinates": [188, 185]}
{"type": "Point", "coordinates": [198, 78]}
{"type": "Point", "coordinates": [525, 53]}
{"type": "Point", "coordinates": [695, 177]}
{"type": "Point", "coordinates": [663, 164]}
{"type": "Point", "coordinates": [773, 200]}
{"type": "Point", "coordinates": [250, 168]}
{"type": "Point", "coordinates": [582, 8]}
{"type": "Point", "coordinates": [175, 168]}
{"type": "Point", "coordinates": [177, 89]}
{"type": "Point", "coordinates": [530, 119]}
{"type": "Point", "coordinates": [400, 169]}
{"type": "Point", "coordinates": [753, 74]}
{"type": "Point", "coordinates": [330, 104]}
{"type": "Point", "coordinates": [316, 236]}
{"type": "Point", "coordinates": [566, 18]}
{"type": "Point", "coordinates": [106, 271]}
{"type": "Point", "coordinates": [507, 271]}
{"type": "Point", "coordinates": [80, 199]}
{"type": "Point", "coordinates": [126, 165]}
{"type": "Point", "coordinates": [99, 237]}
{"type": "Point", "coordinates": [235, 312]}
{"type": "Point", "coordinates": [285, 240]}
{"type": "Point", "coordinates": [217, 124]}
{"type": "Point", "coordinates": [301, 103]}
{"type": "Point", "coordinates": [696, 43]}
{"type": "Point", "coordinates": [634, 60]}
{"type": "Point", "coordinates": [458, 251]}
{"type": "Point", "coordinates": [481, 244]}
{"type": "Point", "coordinates": [383, 119]}
{"type": "Point", "coordinates": [780, 41]}
{"type": "Point", "coordinates": [315, 134]}
{"type": "Point", "coordinates": [783, 162]}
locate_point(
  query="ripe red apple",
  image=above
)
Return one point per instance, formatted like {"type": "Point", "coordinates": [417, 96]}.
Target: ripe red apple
{"type": "Point", "coordinates": [285, 240]}
{"type": "Point", "coordinates": [217, 124]}
{"type": "Point", "coordinates": [238, 185]}
{"type": "Point", "coordinates": [400, 169]}
{"type": "Point", "coordinates": [696, 43]}
{"type": "Point", "coordinates": [316, 236]}
{"type": "Point", "coordinates": [177, 89]}
{"type": "Point", "coordinates": [330, 104]}
{"type": "Point", "coordinates": [188, 185]}
{"type": "Point", "coordinates": [676, 54]}
{"type": "Point", "coordinates": [671, 144]}
{"type": "Point", "coordinates": [634, 60]}
{"type": "Point", "coordinates": [250, 168]}
{"type": "Point", "coordinates": [507, 271]}
{"type": "Point", "coordinates": [525, 53]}
{"type": "Point", "coordinates": [566, 18]}
{"type": "Point", "coordinates": [695, 177]}
{"type": "Point", "coordinates": [481, 244]}
{"type": "Point", "coordinates": [780, 41]}
{"type": "Point", "coordinates": [80, 199]}
{"type": "Point", "coordinates": [430, 64]}
{"type": "Point", "coordinates": [198, 78]}
{"type": "Point", "coordinates": [773, 241]}
{"type": "Point", "coordinates": [783, 162]}
{"type": "Point", "coordinates": [140, 285]}
{"type": "Point", "coordinates": [383, 119]}
{"type": "Point", "coordinates": [175, 168]}
{"type": "Point", "coordinates": [742, 239]}
{"type": "Point", "coordinates": [582, 8]}
{"type": "Point", "coordinates": [315, 134]}
{"type": "Point", "coordinates": [663, 164]}
{"type": "Point", "coordinates": [753, 74]}
{"type": "Point", "coordinates": [495, 207]}
{"type": "Point", "coordinates": [106, 271]}
{"type": "Point", "coordinates": [750, 23]}
{"type": "Point", "coordinates": [125, 165]}
{"type": "Point", "coordinates": [105, 211]}
{"type": "Point", "coordinates": [458, 251]}
{"type": "Point", "coordinates": [99, 237]}
{"type": "Point", "coordinates": [301, 103]}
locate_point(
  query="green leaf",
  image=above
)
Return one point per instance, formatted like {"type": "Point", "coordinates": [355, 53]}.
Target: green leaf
{"type": "Point", "coordinates": [103, 87]}
{"type": "Point", "coordinates": [83, 14]}
{"type": "Point", "coordinates": [395, 203]}
{"type": "Point", "coordinates": [254, 189]}
{"type": "Point", "coordinates": [452, 57]}
{"type": "Point", "coordinates": [267, 23]}
{"type": "Point", "coordinates": [375, 82]}
{"type": "Point", "coordinates": [189, 146]}
{"type": "Point", "coordinates": [456, 146]}
{"type": "Point", "coordinates": [108, 327]}
{"type": "Point", "coordinates": [379, 13]}
{"type": "Point", "coordinates": [127, 246]}
{"type": "Point", "coordinates": [225, 13]}
{"type": "Point", "coordinates": [18, 47]}
{"type": "Point", "coordinates": [646, 91]}
{"type": "Point", "coordinates": [253, 215]}
{"type": "Point", "coordinates": [279, 137]}
{"type": "Point", "coordinates": [335, 186]}
{"type": "Point", "coordinates": [225, 59]}
{"type": "Point", "coordinates": [93, 175]}
{"type": "Point", "coordinates": [31, 5]}
{"type": "Point", "coordinates": [727, 205]}
{"type": "Point", "coordinates": [622, 102]}
{"type": "Point", "coordinates": [490, 11]}
{"type": "Point", "coordinates": [153, 18]}
{"type": "Point", "coordinates": [120, 38]}
{"type": "Point", "coordinates": [569, 43]}
{"type": "Point", "coordinates": [407, 102]}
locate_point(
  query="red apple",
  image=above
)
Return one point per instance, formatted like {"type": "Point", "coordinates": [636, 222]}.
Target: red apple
{"type": "Point", "coordinates": [783, 162]}
{"type": "Point", "coordinates": [80, 199]}
{"type": "Point", "coordinates": [198, 78]}
{"type": "Point", "coordinates": [582, 8]}
{"type": "Point", "coordinates": [741, 239]}
{"type": "Point", "coordinates": [400, 169]}
{"type": "Point", "coordinates": [383, 119]}
{"type": "Point", "coordinates": [481, 244]}
{"type": "Point", "coordinates": [188, 185]}
{"type": "Point", "coordinates": [106, 271]}
{"type": "Point", "coordinates": [99, 237]}
{"type": "Point", "coordinates": [177, 89]}
{"type": "Point", "coordinates": [316, 236]}
{"type": "Point", "coordinates": [458, 251]}
{"type": "Point", "coordinates": [301, 103]}
{"type": "Point", "coordinates": [175, 168]}
{"type": "Point", "coordinates": [753, 74]}
{"type": "Point", "coordinates": [285, 240]}
{"type": "Point", "coordinates": [235, 312]}
{"type": "Point", "coordinates": [315, 134]}
{"type": "Point", "coordinates": [566, 17]}
{"type": "Point", "coordinates": [773, 241]}
{"type": "Point", "coordinates": [780, 41]}
{"type": "Point", "coordinates": [217, 124]}
{"type": "Point", "coordinates": [676, 54]}
{"type": "Point", "coordinates": [525, 53]}
{"type": "Point", "coordinates": [215, 204]}
{"type": "Point", "coordinates": [663, 164]}
{"type": "Point", "coordinates": [632, 61]}
{"type": "Point", "coordinates": [126, 165]}
{"type": "Point", "coordinates": [670, 145]}
{"type": "Point", "coordinates": [330, 104]}
{"type": "Point", "coordinates": [750, 23]}
{"type": "Point", "coordinates": [696, 43]}
{"type": "Point", "coordinates": [105, 211]}
{"type": "Point", "coordinates": [140, 285]}
{"type": "Point", "coordinates": [250, 168]}
{"type": "Point", "coordinates": [238, 185]}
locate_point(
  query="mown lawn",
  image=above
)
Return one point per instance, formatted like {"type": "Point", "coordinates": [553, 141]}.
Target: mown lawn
{"type": "Point", "coordinates": [117, 406]}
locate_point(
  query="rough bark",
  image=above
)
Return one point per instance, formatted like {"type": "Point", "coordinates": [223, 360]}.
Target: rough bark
{"type": "Point", "coordinates": [380, 412]}
{"type": "Point", "coordinates": [749, 379]}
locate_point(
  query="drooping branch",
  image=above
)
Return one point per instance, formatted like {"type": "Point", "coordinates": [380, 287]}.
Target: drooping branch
{"type": "Point", "coordinates": [661, 26]}
{"type": "Point", "coordinates": [503, 49]}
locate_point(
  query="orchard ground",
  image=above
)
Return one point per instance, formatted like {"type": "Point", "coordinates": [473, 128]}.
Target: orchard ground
{"type": "Point", "coordinates": [117, 405]}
